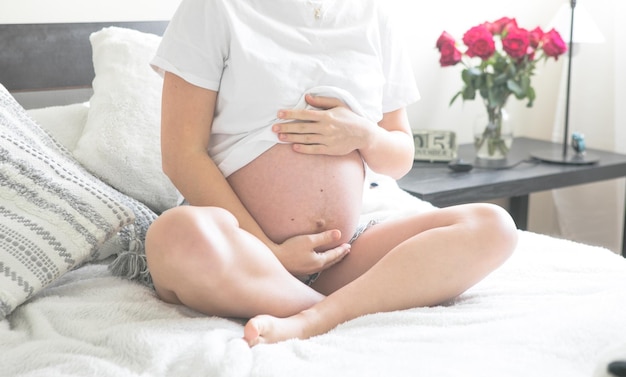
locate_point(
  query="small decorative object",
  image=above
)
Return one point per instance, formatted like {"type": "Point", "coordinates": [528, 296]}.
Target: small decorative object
{"type": "Point", "coordinates": [434, 145]}
{"type": "Point", "coordinates": [499, 59]}
{"type": "Point", "coordinates": [578, 143]}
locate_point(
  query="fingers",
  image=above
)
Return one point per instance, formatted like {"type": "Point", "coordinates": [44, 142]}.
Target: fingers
{"type": "Point", "coordinates": [307, 254]}
{"type": "Point", "coordinates": [322, 102]}
{"type": "Point", "coordinates": [332, 256]}
{"type": "Point", "coordinates": [304, 115]}
{"type": "Point", "coordinates": [329, 257]}
{"type": "Point", "coordinates": [309, 148]}
{"type": "Point", "coordinates": [300, 128]}
{"type": "Point", "coordinates": [307, 139]}
{"type": "Point", "coordinates": [325, 238]}
{"type": "Point", "coordinates": [301, 133]}
{"type": "Point", "coordinates": [318, 102]}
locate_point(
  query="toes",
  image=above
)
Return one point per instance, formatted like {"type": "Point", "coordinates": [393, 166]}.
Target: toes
{"type": "Point", "coordinates": [252, 332]}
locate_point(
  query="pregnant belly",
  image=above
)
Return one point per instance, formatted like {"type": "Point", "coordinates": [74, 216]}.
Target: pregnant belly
{"type": "Point", "coordinates": [290, 194]}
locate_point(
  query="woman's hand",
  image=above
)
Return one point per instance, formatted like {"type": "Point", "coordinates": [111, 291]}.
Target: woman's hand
{"type": "Point", "coordinates": [333, 129]}
{"type": "Point", "coordinates": [299, 256]}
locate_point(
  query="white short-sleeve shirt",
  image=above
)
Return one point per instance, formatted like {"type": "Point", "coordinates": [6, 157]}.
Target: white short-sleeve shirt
{"type": "Point", "coordinates": [263, 55]}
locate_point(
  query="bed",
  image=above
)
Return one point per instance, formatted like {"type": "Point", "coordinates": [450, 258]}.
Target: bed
{"type": "Point", "coordinates": [80, 182]}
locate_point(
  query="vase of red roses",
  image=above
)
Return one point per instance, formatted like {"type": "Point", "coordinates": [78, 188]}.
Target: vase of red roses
{"type": "Point", "coordinates": [498, 59]}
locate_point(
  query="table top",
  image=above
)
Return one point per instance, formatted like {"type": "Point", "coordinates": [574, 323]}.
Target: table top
{"type": "Point", "coordinates": [436, 183]}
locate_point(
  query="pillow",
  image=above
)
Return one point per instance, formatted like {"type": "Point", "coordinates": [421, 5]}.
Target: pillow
{"type": "Point", "coordinates": [64, 123]}
{"type": "Point", "coordinates": [54, 215]}
{"type": "Point", "coordinates": [121, 140]}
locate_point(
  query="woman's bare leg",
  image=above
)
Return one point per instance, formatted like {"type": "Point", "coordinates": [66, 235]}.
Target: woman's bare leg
{"type": "Point", "coordinates": [422, 260]}
{"type": "Point", "coordinates": [199, 257]}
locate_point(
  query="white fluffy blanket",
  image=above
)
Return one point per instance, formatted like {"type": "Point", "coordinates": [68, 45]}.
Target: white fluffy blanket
{"type": "Point", "coordinates": [556, 308]}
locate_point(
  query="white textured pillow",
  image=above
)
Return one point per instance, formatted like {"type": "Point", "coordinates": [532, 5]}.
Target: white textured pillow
{"type": "Point", "coordinates": [121, 140]}
{"type": "Point", "coordinates": [54, 215]}
{"type": "Point", "coordinates": [65, 123]}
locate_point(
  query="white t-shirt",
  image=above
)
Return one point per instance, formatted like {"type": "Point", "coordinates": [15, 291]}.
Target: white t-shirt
{"type": "Point", "coordinates": [263, 55]}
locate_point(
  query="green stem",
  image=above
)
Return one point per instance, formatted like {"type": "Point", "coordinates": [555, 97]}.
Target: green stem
{"type": "Point", "coordinates": [492, 135]}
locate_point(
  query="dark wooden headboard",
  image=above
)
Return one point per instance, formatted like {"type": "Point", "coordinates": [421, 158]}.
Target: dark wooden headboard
{"type": "Point", "coordinates": [53, 57]}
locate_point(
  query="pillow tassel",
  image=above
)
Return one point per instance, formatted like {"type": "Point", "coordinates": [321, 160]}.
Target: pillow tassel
{"type": "Point", "coordinates": [132, 264]}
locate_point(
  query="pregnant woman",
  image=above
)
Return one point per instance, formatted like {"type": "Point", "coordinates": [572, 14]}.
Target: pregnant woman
{"type": "Point", "coordinates": [271, 112]}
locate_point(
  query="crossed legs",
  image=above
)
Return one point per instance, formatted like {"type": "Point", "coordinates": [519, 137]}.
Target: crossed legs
{"type": "Point", "coordinates": [207, 263]}
{"type": "Point", "coordinates": [199, 257]}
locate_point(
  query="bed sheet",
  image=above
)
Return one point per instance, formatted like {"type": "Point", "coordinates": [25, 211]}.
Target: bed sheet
{"type": "Point", "coordinates": [556, 308]}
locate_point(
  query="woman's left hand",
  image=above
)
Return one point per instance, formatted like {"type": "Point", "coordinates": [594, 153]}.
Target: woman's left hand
{"type": "Point", "coordinates": [331, 129]}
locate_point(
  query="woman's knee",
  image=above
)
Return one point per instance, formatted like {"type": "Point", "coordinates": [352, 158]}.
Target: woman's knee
{"type": "Point", "coordinates": [495, 229]}
{"type": "Point", "coordinates": [187, 233]}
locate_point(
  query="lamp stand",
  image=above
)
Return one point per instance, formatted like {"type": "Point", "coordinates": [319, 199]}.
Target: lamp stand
{"type": "Point", "coordinates": [563, 157]}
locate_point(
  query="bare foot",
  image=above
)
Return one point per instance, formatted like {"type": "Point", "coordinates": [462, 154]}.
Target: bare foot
{"type": "Point", "coordinates": [268, 329]}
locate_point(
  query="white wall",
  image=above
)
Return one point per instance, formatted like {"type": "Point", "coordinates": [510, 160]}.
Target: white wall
{"type": "Point", "coordinates": [55, 11]}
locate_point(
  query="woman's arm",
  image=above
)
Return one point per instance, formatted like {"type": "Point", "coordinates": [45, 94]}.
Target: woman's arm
{"type": "Point", "coordinates": [390, 149]}
{"type": "Point", "coordinates": [186, 119]}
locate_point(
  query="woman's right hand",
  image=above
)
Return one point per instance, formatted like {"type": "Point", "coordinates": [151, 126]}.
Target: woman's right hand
{"type": "Point", "coordinates": [299, 256]}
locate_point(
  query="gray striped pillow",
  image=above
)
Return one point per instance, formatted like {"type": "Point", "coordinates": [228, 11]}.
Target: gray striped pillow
{"type": "Point", "coordinates": [54, 215]}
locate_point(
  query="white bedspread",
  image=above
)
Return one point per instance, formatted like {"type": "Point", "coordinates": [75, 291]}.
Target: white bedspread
{"type": "Point", "coordinates": [556, 308]}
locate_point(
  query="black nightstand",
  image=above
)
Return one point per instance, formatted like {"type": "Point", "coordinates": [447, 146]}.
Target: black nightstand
{"type": "Point", "coordinates": [437, 184]}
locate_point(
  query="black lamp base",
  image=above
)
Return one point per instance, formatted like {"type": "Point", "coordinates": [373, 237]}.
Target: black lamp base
{"type": "Point", "coordinates": [555, 156]}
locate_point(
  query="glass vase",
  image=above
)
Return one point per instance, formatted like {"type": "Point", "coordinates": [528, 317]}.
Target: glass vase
{"type": "Point", "coordinates": [493, 136]}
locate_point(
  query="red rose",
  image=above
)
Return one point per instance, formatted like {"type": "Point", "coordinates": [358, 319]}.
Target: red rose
{"type": "Point", "coordinates": [445, 38]}
{"type": "Point", "coordinates": [491, 27]}
{"type": "Point", "coordinates": [509, 57]}
{"type": "Point", "coordinates": [516, 42]}
{"type": "Point", "coordinates": [501, 25]}
{"type": "Point", "coordinates": [473, 34]}
{"type": "Point", "coordinates": [535, 37]}
{"type": "Point", "coordinates": [446, 45]}
{"type": "Point", "coordinates": [450, 55]}
{"type": "Point", "coordinates": [479, 42]}
{"type": "Point", "coordinates": [553, 44]}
